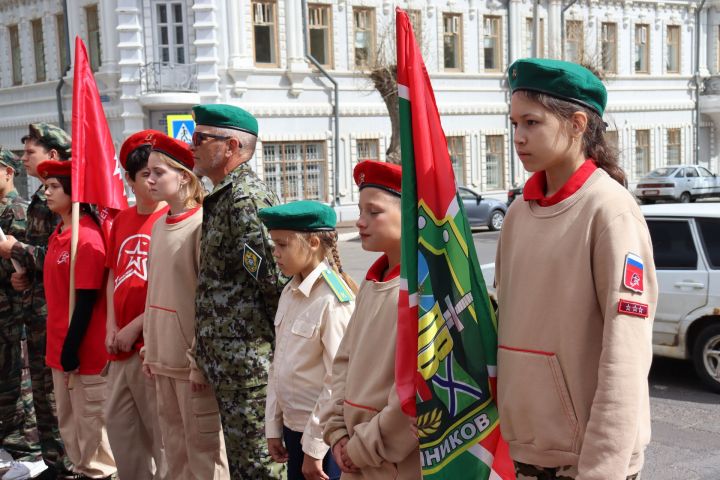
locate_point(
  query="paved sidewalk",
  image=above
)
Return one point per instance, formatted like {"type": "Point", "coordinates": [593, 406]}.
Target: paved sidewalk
{"type": "Point", "coordinates": [346, 231]}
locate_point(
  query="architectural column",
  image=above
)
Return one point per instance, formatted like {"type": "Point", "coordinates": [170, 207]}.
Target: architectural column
{"type": "Point", "coordinates": [554, 47]}
{"type": "Point", "coordinates": [130, 63]}
{"type": "Point", "coordinates": [704, 28]}
{"type": "Point", "coordinates": [239, 26]}
{"type": "Point", "coordinates": [516, 43]}
{"type": "Point", "coordinates": [206, 48]}
{"type": "Point", "coordinates": [297, 67]}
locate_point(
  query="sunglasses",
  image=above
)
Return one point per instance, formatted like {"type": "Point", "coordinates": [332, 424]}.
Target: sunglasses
{"type": "Point", "coordinates": [199, 138]}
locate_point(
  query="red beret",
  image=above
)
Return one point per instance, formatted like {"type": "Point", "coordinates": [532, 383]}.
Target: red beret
{"type": "Point", "coordinates": [175, 149]}
{"type": "Point", "coordinates": [144, 137]}
{"type": "Point", "coordinates": [382, 175]}
{"type": "Point", "coordinates": [55, 168]}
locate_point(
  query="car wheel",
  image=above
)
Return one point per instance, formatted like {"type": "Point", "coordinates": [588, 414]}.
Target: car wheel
{"type": "Point", "coordinates": [706, 356]}
{"type": "Point", "coordinates": [685, 197]}
{"type": "Point", "coordinates": [497, 218]}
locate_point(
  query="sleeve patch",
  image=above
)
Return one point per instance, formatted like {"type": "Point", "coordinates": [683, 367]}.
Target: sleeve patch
{"type": "Point", "coordinates": [633, 273]}
{"type": "Point", "coordinates": [251, 261]}
{"type": "Point", "coordinates": [633, 308]}
{"type": "Point", "coordinates": [337, 286]}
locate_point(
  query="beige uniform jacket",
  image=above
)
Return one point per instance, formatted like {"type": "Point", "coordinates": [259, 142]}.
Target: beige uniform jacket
{"type": "Point", "coordinates": [309, 324]}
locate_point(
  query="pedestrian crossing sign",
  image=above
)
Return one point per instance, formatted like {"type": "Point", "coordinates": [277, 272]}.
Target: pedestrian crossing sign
{"type": "Point", "coordinates": [181, 127]}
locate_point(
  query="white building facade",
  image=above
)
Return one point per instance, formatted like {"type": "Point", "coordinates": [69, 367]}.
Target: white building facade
{"type": "Point", "coordinates": [155, 58]}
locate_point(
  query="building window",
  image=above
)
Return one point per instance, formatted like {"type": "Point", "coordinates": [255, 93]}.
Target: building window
{"type": "Point", "coordinates": [642, 152]}
{"type": "Point", "coordinates": [492, 52]}
{"type": "Point", "coordinates": [642, 43]}
{"type": "Point", "coordinates": [611, 138]}
{"type": "Point", "coordinates": [63, 60]}
{"type": "Point", "coordinates": [38, 49]}
{"type": "Point", "coordinates": [673, 146]}
{"type": "Point", "coordinates": [93, 30]}
{"type": "Point", "coordinates": [609, 47]}
{"type": "Point", "coordinates": [673, 49]}
{"type": "Point", "coordinates": [171, 44]}
{"type": "Point", "coordinates": [265, 33]}
{"type": "Point", "coordinates": [456, 149]}
{"type": "Point", "coordinates": [15, 53]}
{"type": "Point", "coordinates": [296, 171]}
{"type": "Point", "coordinates": [368, 149]}
{"type": "Point", "coordinates": [416, 22]}
{"type": "Point", "coordinates": [574, 41]}
{"type": "Point", "coordinates": [452, 41]}
{"type": "Point", "coordinates": [320, 33]}
{"type": "Point", "coordinates": [529, 33]}
{"type": "Point", "coordinates": [494, 162]}
{"type": "Point", "coordinates": [364, 35]}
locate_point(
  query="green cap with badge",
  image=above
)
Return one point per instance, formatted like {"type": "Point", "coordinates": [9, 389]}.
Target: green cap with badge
{"type": "Point", "coordinates": [9, 159]}
{"type": "Point", "coordinates": [559, 79]}
{"type": "Point", "coordinates": [50, 137]}
{"type": "Point", "coordinates": [225, 116]}
{"type": "Point", "coordinates": [302, 216]}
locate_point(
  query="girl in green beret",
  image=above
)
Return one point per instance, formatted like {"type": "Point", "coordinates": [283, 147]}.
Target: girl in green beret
{"type": "Point", "coordinates": [576, 288]}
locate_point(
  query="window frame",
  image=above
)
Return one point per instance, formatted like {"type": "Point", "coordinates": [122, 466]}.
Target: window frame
{"type": "Point", "coordinates": [40, 68]}
{"type": "Point", "coordinates": [580, 41]}
{"type": "Point", "coordinates": [283, 175]}
{"type": "Point", "coordinates": [674, 222]}
{"type": "Point", "coordinates": [668, 145]}
{"type": "Point", "coordinates": [709, 259]}
{"type": "Point", "coordinates": [637, 68]}
{"type": "Point", "coordinates": [415, 16]}
{"type": "Point", "coordinates": [94, 36]}
{"type": "Point", "coordinates": [63, 60]}
{"type": "Point", "coordinates": [171, 25]}
{"type": "Point", "coordinates": [457, 36]}
{"type": "Point", "coordinates": [678, 46]}
{"type": "Point", "coordinates": [646, 165]}
{"type": "Point", "coordinates": [612, 46]}
{"type": "Point", "coordinates": [498, 54]}
{"type": "Point", "coordinates": [328, 43]}
{"type": "Point", "coordinates": [275, 50]}
{"type": "Point", "coordinates": [372, 20]}
{"type": "Point", "coordinates": [529, 37]}
{"type": "Point", "coordinates": [501, 163]}
{"type": "Point", "coordinates": [374, 142]}
{"type": "Point", "coordinates": [15, 54]}
{"type": "Point", "coordinates": [454, 141]}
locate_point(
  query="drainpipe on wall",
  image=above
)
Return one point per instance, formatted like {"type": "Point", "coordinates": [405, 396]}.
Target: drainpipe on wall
{"type": "Point", "coordinates": [61, 82]}
{"type": "Point", "coordinates": [696, 159]}
{"type": "Point", "coordinates": [562, 28]}
{"type": "Point", "coordinates": [509, 97]}
{"type": "Point", "coordinates": [336, 107]}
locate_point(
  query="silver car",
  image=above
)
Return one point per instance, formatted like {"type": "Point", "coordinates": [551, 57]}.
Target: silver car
{"type": "Point", "coordinates": [680, 183]}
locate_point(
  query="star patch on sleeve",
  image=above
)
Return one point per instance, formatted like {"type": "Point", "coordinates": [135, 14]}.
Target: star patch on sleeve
{"type": "Point", "coordinates": [632, 308]}
{"type": "Point", "coordinates": [251, 261]}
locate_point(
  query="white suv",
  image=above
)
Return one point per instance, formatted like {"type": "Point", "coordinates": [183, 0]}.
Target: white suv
{"type": "Point", "coordinates": [686, 245]}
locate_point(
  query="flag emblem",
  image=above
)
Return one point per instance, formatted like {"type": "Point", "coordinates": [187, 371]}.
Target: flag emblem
{"type": "Point", "coordinates": [633, 276]}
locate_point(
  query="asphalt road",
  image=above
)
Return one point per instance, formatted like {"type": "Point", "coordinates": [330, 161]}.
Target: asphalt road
{"type": "Point", "coordinates": [685, 417]}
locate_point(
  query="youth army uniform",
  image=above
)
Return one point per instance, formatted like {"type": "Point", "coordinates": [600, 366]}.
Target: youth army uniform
{"type": "Point", "coordinates": [30, 251]}
{"type": "Point", "coordinates": [238, 291]}
{"type": "Point", "coordinates": [531, 472]}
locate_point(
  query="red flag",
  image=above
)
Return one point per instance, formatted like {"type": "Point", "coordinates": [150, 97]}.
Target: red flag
{"type": "Point", "coordinates": [96, 176]}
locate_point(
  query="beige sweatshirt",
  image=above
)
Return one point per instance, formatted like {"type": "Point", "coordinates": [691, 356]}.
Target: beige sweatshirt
{"type": "Point", "coordinates": [364, 402]}
{"type": "Point", "coordinates": [169, 322]}
{"type": "Point", "coordinates": [572, 370]}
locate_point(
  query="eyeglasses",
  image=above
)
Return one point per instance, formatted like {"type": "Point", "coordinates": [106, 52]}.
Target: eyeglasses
{"type": "Point", "coordinates": [199, 138]}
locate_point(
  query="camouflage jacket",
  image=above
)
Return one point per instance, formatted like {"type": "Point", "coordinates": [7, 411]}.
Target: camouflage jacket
{"type": "Point", "coordinates": [13, 221]}
{"type": "Point", "coordinates": [30, 249]}
{"type": "Point", "coordinates": [239, 284]}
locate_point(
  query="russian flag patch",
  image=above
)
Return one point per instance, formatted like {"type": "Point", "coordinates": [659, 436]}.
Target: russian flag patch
{"type": "Point", "coordinates": [633, 276]}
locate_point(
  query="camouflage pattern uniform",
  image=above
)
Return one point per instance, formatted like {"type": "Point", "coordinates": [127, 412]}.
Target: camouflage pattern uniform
{"type": "Point", "coordinates": [524, 471]}
{"type": "Point", "coordinates": [238, 290]}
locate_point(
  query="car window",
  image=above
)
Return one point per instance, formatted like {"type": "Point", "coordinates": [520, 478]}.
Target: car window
{"type": "Point", "coordinates": [704, 172]}
{"type": "Point", "coordinates": [690, 172]}
{"type": "Point", "coordinates": [710, 234]}
{"type": "Point", "coordinates": [673, 246]}
{"type": "Point", "coordinates": [466, 194]}
{"type": "Point", "coordinates": [662, 172]}
{"type": "Point", "coordinates": [680, 173]}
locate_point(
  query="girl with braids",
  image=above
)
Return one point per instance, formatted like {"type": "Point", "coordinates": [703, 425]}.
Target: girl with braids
{"type": "Point", "coordinates": [574, 352]}
{"type": "Point", "coordinates": [312, 315]}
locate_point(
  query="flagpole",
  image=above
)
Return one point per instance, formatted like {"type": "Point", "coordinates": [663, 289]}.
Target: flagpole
{"type": "Point", "coordinates": [75, 226]}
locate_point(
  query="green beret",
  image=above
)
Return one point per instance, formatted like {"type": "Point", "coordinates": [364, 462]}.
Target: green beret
{"type": "Point", "coordinates": [563, 80]}
{"type": "Point", "coordinates": [9, 159]}
{"type": "Point", "coordinates": [51, 137]}
{"type": "Point", "coordinates": [225, 116]}
{"type": "Point", "coordinates": [303, 216]}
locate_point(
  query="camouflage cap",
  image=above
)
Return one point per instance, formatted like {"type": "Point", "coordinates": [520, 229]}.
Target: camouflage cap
{"type": "Point", "coordinates": [50, 136]}
{"type": "Point", "coordinates": [9, 159]}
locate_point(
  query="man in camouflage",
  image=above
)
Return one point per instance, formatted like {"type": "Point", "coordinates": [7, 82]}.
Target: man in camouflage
{"type": "Point", "coordinates": [43, 142]}
{"type": "Point", "coordinates": [524, 471]}
{"type": "Point", "coordinates": [13, 209]}
{"type": "Point", "coordinates": [239, 285]}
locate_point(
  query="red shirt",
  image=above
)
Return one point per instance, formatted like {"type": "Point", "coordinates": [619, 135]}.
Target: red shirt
{"type": "Point", "coordinates": [89, 275]}
{"type": "Point", "coordinates": [128, 248]}
{"type": "Point", "coordinates": [375, 273]}
{"type": "Point", "coordinates": [535, 186]}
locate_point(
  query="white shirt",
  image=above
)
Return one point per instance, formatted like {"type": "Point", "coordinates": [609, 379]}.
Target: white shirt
{"type": "Point", "coordinates": [309, 324]}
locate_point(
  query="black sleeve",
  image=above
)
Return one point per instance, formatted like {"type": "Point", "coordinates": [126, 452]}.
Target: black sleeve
{"type": "Point", "coordinates": [84, 303]}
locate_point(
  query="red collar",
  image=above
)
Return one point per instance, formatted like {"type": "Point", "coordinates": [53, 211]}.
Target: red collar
{"type": "Point", "coordinates": [375, 274]}
{"type": "Point", "coordinates": [170, 220]}
{"type": "Point", "coordinates": [535, 186]}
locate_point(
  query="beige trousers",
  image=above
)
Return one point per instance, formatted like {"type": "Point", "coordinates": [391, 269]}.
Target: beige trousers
{"type": "Point", "coordinates": [132, 423]}
{"type": "Point", "coordinates": [81, 422]}
{"type": "Point", "coordinates": [191, 429]}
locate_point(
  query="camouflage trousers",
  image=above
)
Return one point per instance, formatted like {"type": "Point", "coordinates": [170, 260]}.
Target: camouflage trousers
{"type": "Point", "coordinates": [242, 412]}
{"type": "Point", "coordinates": [524, 471]}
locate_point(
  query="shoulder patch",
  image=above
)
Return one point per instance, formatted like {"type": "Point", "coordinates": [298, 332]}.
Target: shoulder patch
{"type": "Point", "coordinates": [633, 273]}
{"type": "Point", "coordinates": [337, 285]}
{"type": "Point", "coordinates": [635, 309]}
{"type": "Point", "coordinates": [251, 261]}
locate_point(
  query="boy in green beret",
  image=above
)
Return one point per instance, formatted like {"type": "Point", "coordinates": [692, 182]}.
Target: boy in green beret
{"type": "Point", "coordinates": [312, 315]}
{"type": "Point", "coordinates": [574, 353]}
